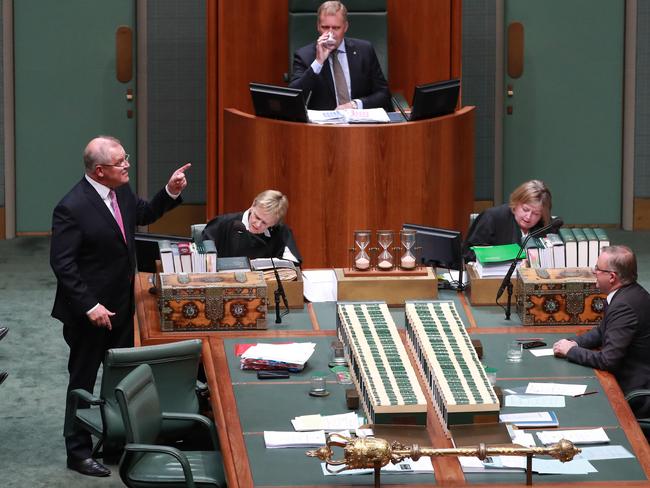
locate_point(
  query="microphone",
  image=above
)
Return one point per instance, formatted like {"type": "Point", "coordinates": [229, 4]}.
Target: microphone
{"type": "Point", "coordinates": [279, 293]}
{"type": "Point", "coordinates": [307, 102]}
{"type": "Point", "coordinates": [552, 227]}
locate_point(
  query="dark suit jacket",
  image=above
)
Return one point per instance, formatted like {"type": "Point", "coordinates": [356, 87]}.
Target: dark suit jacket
{"type": "Point", "coordinates": [232, 242]}
{"type": "Point", "coordinates": [368, 82]}
{"type": "Point", "coordinates": [624, 339]}
{"type": "Point", "coordinates": [92, 262]}
{"type": "Point", "coordinates": [493, 227]}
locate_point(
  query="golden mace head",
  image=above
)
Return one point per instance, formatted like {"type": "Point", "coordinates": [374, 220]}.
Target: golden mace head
{"type": "Point", "coordinates": [357, 453]}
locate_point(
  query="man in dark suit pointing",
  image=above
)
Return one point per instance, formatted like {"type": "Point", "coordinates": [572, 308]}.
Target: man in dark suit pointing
{"type": "Point", "coordinates": [339, 72]}
{"type": "Point", "coordinates": [93, 257]}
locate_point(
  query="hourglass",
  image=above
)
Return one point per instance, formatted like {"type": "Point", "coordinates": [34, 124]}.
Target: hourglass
{"type": "Point", "coordinates": [385, 259]}
{"type": "Point", "coordinates": [407, 261]}
{"type": "Point", "coordinates": [362, 259]}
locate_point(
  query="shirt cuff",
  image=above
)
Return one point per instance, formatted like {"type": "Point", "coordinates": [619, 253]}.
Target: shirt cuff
{"type": "Point", "coordinates": [316, 67]}
{"type": "Point", "coordinates": [172, 195]}
{"type": "Point", "coordinates": [359, 103]}
{"type": "Point", "coordinates": [92, 309]}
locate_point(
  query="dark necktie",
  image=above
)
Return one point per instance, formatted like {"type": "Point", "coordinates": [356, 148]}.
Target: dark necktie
{"type": "Point", "coordinates": [342, 94]}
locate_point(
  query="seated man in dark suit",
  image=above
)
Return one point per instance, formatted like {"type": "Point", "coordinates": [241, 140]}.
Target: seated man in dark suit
{"type": "Point", "coordinates": [256, 233]}
{"type": "Point", "coordinates": [338, 72]}
{"type": "Point", "coordinates": [623, 337]}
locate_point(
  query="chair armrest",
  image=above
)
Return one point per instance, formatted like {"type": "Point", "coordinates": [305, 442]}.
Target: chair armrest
{"type": "Point", "coordinates": [636, 394]}
{"type": "Point", "coordinates": [73, 400]}
{"type": "Point", "coordinates": [81, 394]}
{"type": "Point", "coordinates": [171, 451]}
{"type": "Point", "coordinates": [198, 419]}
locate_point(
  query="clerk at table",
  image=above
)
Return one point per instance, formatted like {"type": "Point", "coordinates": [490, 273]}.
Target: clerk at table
{"type": "Point", "coordinates": [258, 232]}
{"type": "Point", "coordinates": [528, 210]}
{"type": "Point", "coordinates": [338, 72]}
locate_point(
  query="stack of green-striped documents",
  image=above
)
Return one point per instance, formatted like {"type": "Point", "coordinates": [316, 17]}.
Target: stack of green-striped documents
{"type": "Point", "coordinates": [494, 261]}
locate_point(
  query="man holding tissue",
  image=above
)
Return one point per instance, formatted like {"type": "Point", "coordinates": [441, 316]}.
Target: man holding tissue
{"type": "Point", "coordinates": [336, 72]}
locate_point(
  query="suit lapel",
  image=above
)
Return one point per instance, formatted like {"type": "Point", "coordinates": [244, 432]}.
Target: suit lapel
{"type": "Point", "coordinates": [353, 65]}
{"type": "Point", "coordinates": [96, 201]}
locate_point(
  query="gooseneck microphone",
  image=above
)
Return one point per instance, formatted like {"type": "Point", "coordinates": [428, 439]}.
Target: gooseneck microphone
{"type": "Point", "coordinates": [507, 283]}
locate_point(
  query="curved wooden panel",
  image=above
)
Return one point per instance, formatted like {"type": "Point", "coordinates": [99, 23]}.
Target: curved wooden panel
{"type": "Point", "coordinates": [343, 178]}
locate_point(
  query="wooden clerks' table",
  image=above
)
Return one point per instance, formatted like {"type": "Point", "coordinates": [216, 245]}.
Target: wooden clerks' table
{"type": "Point", "coordinates": [244, 407]}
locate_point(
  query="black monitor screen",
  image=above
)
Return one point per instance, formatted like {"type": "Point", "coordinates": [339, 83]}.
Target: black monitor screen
{"type": "Point", "coordinates": [438, 247]}
{"type": "Point", "coordinates": [278, 102]}
{"type": "Point", "coordinates": [147, 250]}
{"type": "Point", "coordinates": [435, 99]}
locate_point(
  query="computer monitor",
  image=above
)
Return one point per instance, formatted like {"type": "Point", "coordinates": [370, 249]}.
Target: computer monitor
{"type": "Point", "coordinates": [435, 99]}
{"type": "Point", "coordinates": [439, 247]}
{"type": "Point", "coordinates": [278, 102]}
{"type": "Point", "coordinates": [147, 250]}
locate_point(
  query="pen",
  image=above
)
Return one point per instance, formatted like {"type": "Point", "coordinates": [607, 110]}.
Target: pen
{"type": "Point", "coordinates": [585, 394]}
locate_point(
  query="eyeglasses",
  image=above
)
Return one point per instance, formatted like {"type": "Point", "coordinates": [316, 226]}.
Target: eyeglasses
{"type": "Point", "coordinates": [597, 269]}
{"type": "Point", "coordinates": [119, 164]}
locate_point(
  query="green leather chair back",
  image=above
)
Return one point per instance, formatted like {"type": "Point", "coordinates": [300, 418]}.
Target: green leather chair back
{"type": "Point", "coordinates": [175, 367]}
{"type": "Point", "coordinates": [141, 409]}
{"type": "Point", "coordinates": [367, 19]}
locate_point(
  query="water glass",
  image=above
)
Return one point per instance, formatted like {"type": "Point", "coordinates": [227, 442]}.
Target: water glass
{"type": "Point", "coordinates": [514, 352]}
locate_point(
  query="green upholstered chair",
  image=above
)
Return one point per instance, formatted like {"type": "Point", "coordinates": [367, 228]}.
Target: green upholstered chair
{"type": "Point", "coordinates": [368, 20]}
{"type": "Point", "coordinates": [640, 396]}
{"type": "Point", "coordinates": [175, 366]}
{"type": "Point", "coordinates": [145, 462]}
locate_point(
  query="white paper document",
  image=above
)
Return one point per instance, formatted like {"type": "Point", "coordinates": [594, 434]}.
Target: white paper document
{"type": "Point", "coordinates": [275, 439]}
{"type": "Point", "coordinates": [329, 423]}
{"type": "Point", "coordinates": [349, 116]}
{"type": "Point", "coordinates": [577, 436]}
{"type": "Point", "coordinates": [598, 453]}
{"type": "Point", "coordinates": [541, 352]}
{"type": "Point", "coordinates": [407, 466]}
{"type": "Point", "coordinates": [530, 419]}
{"type": "Point", "coordinates": [565, 389]}
{"type": "Point", "coordinates": [549, 466]}
{"type": "Point", "coordinates": [319, 285]}
{"type": "Point", "coordinates": [294, 353]}
{"type": "Point", "coordinates": [522, 438]}
{"type": "Point", "coordinates": [542, 401]}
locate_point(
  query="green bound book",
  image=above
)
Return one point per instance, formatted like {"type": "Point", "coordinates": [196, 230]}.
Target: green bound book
{"type": "Point", "coordinates": [496, 254]}
{"type": "Point", "coordinates": [592, 245]}
{"type": "Point", "coordinates": [603, 238]}
{"type": "Point", "coordinates": [583, 247]}
{"type": "Point", "coordinates": [570, 247]}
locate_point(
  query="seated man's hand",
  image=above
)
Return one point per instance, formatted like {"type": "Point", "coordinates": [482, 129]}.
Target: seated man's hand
{"type": "Point", "coordinates": [345, 105]}
{"type": "Point", "coordinates": [100, 316]}
{"type": "Point", "coordinates": [562, 347]}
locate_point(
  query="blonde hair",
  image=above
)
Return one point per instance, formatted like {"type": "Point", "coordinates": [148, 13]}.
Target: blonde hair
{"type": "Point", "coordinates": [273, 202]}
{"type": "Point", "coordinates": [331, 8]}
{"type": "Point", "coordinates": [533, 192]}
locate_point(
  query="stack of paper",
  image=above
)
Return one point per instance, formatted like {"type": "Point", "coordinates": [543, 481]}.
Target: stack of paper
{"type": "Point", "coordinates": [407, 466]}
{"type": "Point", "coordinates": [292, 356]}
{"type": "Point", "coordinates": [329, 423]}
{"type": "Point", "coordinates": [276, 440]}
{"type": "Point", "coordinates": [349, 116]}
{"type": "Point", "coordinates": [494, 261]}
{"type": "Point", "coordinates": [577, 436]}
{"type": "Point", "coordinates": [530, 419]}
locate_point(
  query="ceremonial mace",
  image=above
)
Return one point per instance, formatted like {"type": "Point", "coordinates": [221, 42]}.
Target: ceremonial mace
{"type": "Point", "coordinates": [374, 453]}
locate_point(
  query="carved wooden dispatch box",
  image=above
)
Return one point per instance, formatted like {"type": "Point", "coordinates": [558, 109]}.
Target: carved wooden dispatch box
{"type": "Point", "coordinates": [212, 301]}
{"type": "Point", "coordinates": [558, 296]}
